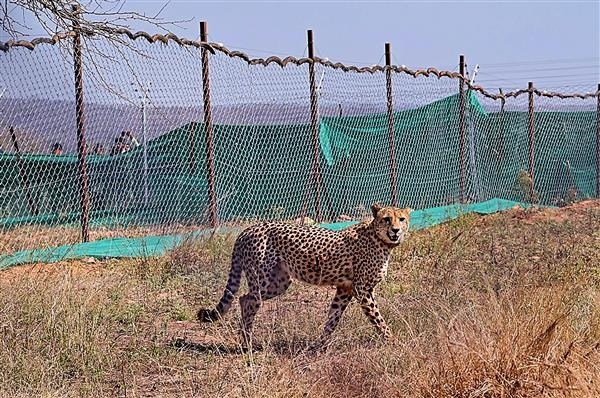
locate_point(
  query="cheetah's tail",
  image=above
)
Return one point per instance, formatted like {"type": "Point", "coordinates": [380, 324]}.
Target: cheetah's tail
{"type": "Point", "coordinates": [233, 285]}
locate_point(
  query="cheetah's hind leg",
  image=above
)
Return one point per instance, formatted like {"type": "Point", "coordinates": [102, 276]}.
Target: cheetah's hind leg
{"type": "Point", "coordinates": [276, 283]}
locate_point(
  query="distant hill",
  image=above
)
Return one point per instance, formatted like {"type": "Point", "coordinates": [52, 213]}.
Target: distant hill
{"type": "Point", "coordinates": [40, 123]}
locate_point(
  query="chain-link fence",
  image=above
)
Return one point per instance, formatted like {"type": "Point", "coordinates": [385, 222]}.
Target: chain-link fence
{"type": "Point", "coordinates": [154, 135]}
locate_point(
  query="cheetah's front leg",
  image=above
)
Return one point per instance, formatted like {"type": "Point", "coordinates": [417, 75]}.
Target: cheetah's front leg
{"type": "Point", "coordinates": [369, 306]}
{"type": "Point", "coordinates": [342, 298]}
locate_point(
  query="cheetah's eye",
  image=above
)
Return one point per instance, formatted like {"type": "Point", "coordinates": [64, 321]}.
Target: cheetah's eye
{"type": "Point", "coordinates": [387, 219]}
{"type": "Point", "coordinates": [401, 219]}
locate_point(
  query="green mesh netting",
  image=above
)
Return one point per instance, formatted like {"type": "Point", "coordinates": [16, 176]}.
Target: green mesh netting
{"type": "Point", "coordinates": [269, 164]}
{"type": "Point", "coordinates": [261, 169]}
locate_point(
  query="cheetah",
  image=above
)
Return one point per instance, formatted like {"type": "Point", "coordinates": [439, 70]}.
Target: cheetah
{"type": "Point", "coordinates": [353, 260]}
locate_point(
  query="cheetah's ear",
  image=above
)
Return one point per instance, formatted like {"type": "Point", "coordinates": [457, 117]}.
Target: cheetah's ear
{"type": "Point", "coordinates": [375, 209]}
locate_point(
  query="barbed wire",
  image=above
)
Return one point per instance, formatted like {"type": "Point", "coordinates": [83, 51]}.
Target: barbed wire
{"type": "Point", "coordinates": [282, 62]}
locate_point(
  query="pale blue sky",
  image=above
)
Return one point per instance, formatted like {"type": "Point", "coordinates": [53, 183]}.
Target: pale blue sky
{"type": "Point", "coordinates": [553, 43]}
{"type": "Point", "coordinates": [556, 44]}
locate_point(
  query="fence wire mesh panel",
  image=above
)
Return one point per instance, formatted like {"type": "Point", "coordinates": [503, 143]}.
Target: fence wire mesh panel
{"type": "Point", "coordinates": [562, 149]}
{"type": "Point", "coordinates": [353, 141]}
{"type": "Point", "coordinates": [262, 139]}
{"type": "Point", "coordinates": [182, 135]}
{"type": "Point", "coordinates": [141, 115]}
{"type": "Point", "coordinates": [426, 122]}
{"type": "Point", "coordinates": [498, 149]}
{"type": "Point", "coordinates": [37, 109]}
{"type": "Point", "coordinates": [564, 167]}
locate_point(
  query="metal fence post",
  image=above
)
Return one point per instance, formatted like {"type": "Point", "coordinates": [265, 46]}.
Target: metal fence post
{"type": "Point", "coordinates": [314, 119]}
{"type": "Point", "coordinates": [461, 128]}
{"type": "Point", "coordinates": [531, 138]}
{"type": "Point", "coordinates": [81, 139]}
{"type": "Point", "coordinates": [391, 132]}
{"type": "Point", "coordinates": [208, 127]}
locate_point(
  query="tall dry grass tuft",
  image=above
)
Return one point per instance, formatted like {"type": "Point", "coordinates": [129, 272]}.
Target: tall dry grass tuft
{"type": "Point", "coordinates": [525, 343]}
{"type": "Point", "coordinates": [194, 256]}
{"type": "Point", "coordinates": [53, 333]}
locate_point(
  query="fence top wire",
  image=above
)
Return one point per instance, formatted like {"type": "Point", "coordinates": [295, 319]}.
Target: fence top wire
{"type": "Point", "coordinates": [214, 47]}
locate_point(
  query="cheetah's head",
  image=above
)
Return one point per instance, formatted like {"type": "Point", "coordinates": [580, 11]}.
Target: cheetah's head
{"type": "Point", "coordinates": [390, 223]}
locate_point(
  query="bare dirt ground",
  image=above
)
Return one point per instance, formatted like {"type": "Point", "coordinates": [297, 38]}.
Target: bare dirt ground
{"type": "Point", "coordinates": [575, 211]}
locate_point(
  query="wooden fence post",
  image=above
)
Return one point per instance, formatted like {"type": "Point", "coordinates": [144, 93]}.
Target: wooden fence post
{"type": "Point", "coordinates": [314, 122]}
{"type": "Point", "coordinates": [531, 139]}
{"type": "Point", "coordinates": [391, 132]}
{"type": "Point", "coordinates": [81, 139]}
{"type": "Point", "coordinates": [461, 128]}
{"type": "Point", "coordinates": [208, 128]}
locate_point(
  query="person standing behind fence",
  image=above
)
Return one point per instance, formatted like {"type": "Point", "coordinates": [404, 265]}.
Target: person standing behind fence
{"type": "Point", "coordinates": [99, 149]}
{"type": "Point", "coordinates": [57, 149]}
{"type": "Point", "coordinates": [127, 135]}
{"type": "Point", "coordinates": [120, 146]}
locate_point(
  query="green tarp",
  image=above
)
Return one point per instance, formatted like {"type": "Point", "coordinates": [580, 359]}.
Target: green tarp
{"type": "Point", "coordinates": [153, 246]}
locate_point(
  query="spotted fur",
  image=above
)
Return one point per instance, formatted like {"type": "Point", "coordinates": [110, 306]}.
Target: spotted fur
{"type": "Point", "coordinates": [354, 260]}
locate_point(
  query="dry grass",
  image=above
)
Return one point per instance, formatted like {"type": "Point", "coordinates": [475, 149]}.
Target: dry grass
{"type": "Point", "coordinates": [31, 237]}
{"type": "Point", "coordinates": [499, 306]}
